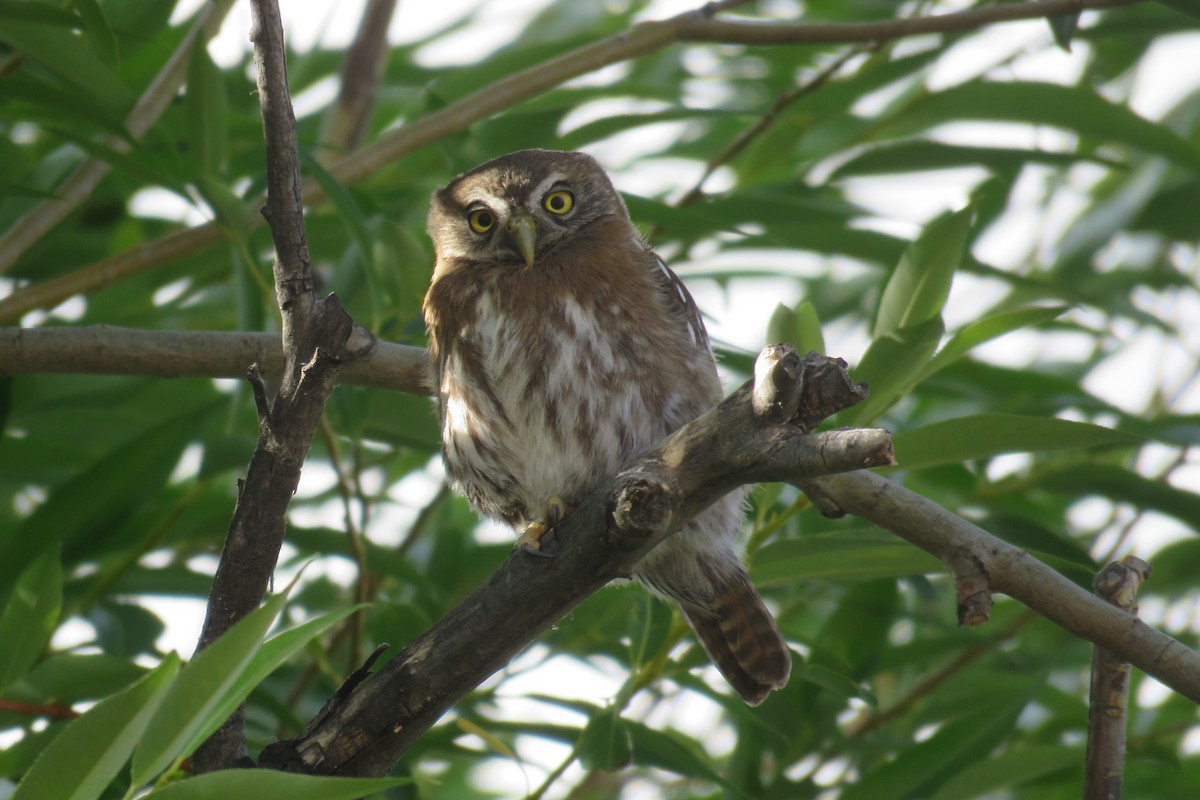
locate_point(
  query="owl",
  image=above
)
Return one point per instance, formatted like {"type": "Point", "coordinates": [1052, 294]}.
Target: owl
{"type": "Point", "coordinates": [562, 346]}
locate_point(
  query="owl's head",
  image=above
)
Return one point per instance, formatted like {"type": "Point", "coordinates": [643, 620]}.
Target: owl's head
{"type": "Point", "coordinates": [515, 209]}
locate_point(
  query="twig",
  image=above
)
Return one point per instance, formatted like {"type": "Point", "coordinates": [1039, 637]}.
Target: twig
{"type": "Point", "coordinates": [642, 39]}
{"type": "Point", "coordinates": [1118, 583]}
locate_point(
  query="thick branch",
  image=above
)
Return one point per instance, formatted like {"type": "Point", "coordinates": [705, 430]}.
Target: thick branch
{"type": "Point", "coordinates": [108, 350]}
{"type": "Point", "coordinates": [640, 40]}
{"type": "Point", "coordinates": [1013, 572]}
{"type": "Point", "coordinates": [366, 732]}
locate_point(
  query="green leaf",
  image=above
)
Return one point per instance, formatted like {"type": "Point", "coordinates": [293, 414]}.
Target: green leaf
{"type": "Point", "coordinates": [648, 628]}
{"type": "Point", "coordinates": [844, 556]}
{"type": "Point", "coordinates": [892, 365]}
{"type": "Point", "coordinates": [1063, 27]}
{"type": "Point", "coordinates": [85, 504]}
{"type": "Point", "coordinates": [1009, 770]}
{"type": "Point", "coordinates": [30, 616]}
{"type": "Point", "coordinates": [976, 333]}
{"type": "Point", "coordinates": [63, 53]}
{"type": "Point", "coordinates": [99, 31]}
{"type": "Point", "coordinates": [256, 784]}
{"type": "Point", "coordinates": [918, 287]}
{"type": "Point", "coordinates": [987, 435]}
{"type": "Point", "coordinates": [185, 717]}
{"type": "Point", "coordinates": [1119, 484]}
{"type": "Point", "coordinates": [347, 206]}
{"type": "Point", "coordinates": [207, 111]}
{"type": "Point", "coordinates": [653, 748]}
{"type": "Point", "coordinates": [273, 653]}
{"type": "Point", "coordinates": [87, 755]}
{"type": "Point", "coordinates": [830, 680]}
{"type": "Point", "coordinates": [800, 328]}
{"type": "Point", "coordinates": [1076, 108]}
{"type": "Point", "coordinates": [922, 767]}
{"type": "Point", "coordinates": [921, 155]}
{"type": "Point", "coordinates": [606, 742]}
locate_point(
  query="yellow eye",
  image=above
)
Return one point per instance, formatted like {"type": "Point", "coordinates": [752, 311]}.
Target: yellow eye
{"type": "Point", "coordinates": [481, 220]}
{"type": "Point", "coordinates": [559, 202]}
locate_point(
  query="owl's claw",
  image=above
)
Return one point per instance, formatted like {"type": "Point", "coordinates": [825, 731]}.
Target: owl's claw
{"type": "Point", "coordinates": [530, 540]}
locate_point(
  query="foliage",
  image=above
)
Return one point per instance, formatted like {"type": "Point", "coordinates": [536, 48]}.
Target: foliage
{"type": "Point", "coordinates": [989, 333]}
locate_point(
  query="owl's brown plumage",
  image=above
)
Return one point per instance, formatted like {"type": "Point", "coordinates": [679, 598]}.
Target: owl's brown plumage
{"type": "Point", "coordinates": [562, 347]}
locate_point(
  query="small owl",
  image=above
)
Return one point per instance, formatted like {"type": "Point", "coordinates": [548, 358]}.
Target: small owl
{"type": "Point", "coordinates": [563, 346]}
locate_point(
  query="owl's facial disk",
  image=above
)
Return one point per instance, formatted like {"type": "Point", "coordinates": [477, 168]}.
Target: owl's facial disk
{"type": "Point", "coordinates": [516, 209]}
{"type": "Point", "coordinates": [523, 222]}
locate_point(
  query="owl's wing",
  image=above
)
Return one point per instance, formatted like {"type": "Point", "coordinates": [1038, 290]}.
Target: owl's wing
{"type": "Point", "coordinates": [680, 300]}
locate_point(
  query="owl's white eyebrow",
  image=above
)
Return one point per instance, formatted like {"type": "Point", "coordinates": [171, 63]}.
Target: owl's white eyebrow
{"type": "Point", "coordinates": [535, 198]}
{"type": "Point", "coordinates": [480, 195]}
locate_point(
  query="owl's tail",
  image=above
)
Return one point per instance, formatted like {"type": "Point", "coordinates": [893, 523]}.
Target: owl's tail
{"type": "Point", "coordinates": [741, 638]}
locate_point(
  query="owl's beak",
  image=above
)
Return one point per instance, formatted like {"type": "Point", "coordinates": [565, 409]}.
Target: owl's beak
{"type": "Point", "coordinates": [522, 232]}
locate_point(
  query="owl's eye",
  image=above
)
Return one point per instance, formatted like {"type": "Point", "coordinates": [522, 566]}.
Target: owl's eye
{"type": "Point", "coordinates": [481, 220]}
{"type": "Point", "coordinates": [559, 202]}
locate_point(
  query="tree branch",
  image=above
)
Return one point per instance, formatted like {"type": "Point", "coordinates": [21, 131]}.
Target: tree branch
{"type": "Point", "coordinates": [642, 39]}
{"type": "Point", "coordinates": [345, 122]}
{"type": "Point", "coordinates": [108, 350]}
{"type": "Point", "coordinates": [1014, 572]}
{"type": "Point", "coordinates": [758, 433]}
{"type": "Point", "coordinates": [315, 336]}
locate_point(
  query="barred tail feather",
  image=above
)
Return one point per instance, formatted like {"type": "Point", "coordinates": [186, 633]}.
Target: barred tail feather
{"type": "Point", "coordinates": [740, 637]}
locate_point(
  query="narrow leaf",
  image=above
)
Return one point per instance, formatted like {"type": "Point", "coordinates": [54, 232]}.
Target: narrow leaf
{"type": "Point", "coordinates": [272, 654]}
{"type": "Point", "coordinates": [987, 435]}
{"type": "Point", "coordinates": [1063, 27]}
{"type": "Point", "coordinates": [892, 365]}
{"type": "Point", "coordinates": [185, 716]}
{"type": "Point", "coordinates": [30, 616]}
{"type": "Point", "coordinates": [207, 111]}
{"type": "Point", "coordinates": [1076, 108]}
{"type": "Point", "coordinates": [653, 748]}
{"type": "Point", "coordinates": [99, 31]}
{"type": "Point", "coordinates": [606, 742]}
{"type": "Point", "coordinates": [257, 784]}
{"type": "Point", "coordinates": [88, 754]}
{"type": "Point", "coordinates": [984, 330]}
{"type": "Point", "coordinates": [920, 284]}
{"type": "Point", "coordinates": [845, 556]}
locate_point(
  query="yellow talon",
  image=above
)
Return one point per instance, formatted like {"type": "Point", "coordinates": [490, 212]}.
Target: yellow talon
{"type": "Point", "coordinates": [530, 540]}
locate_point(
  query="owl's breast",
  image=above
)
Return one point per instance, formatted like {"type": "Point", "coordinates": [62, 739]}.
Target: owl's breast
{"type": "Point", "coordinates": [549, 401]}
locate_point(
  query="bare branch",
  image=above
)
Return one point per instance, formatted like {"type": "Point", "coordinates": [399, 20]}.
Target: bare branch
{"type": "Point", "coordinates": [315, 336]}
{"type": "Point", "coordinates": [1016, 573]}
{"type": "Point", "coordinates": [109, 350]}
{"type": "Point", "coordinates": [640, 40]}
{"type": "Point", "coordinates": [366, 732]}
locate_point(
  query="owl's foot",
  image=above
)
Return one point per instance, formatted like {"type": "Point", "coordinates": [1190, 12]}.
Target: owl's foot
{"type": "Point", "coordinates": [530, 540]}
